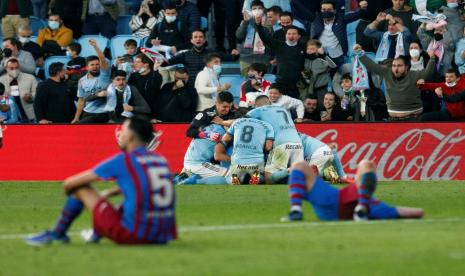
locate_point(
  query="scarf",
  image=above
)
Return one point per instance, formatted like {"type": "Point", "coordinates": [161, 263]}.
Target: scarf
{"type": "Point", "coordinates": [383, 49]}
{"type": "Point", "coordinates": [359, 75]}
{"type": "Point", "coordinates": [438, 48]}
{"type": "Point", "coordinates": [417, 65]}
{"type": "Point", "coordinates": [253, 41]}
{"type": "Point", "coordinates": [112, 99]}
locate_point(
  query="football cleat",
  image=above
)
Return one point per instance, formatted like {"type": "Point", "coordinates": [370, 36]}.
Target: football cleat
{"type": "Point", "coordinates": [45, 238]}
{"type": "Point", "coordinates": [89, 236]}
{"type": "Point", "coordinates": [190, 180]}
{"type": "Point", "coordinates": [360, 213]}
{"type": "Point", "coordinates": [180, 177]}
{"type": "Point", "coordinates": [293, 216]}
{"type": "Point", "coordinates": [235, 180]}
{"type": "Point", "coordinates": [255, 178]}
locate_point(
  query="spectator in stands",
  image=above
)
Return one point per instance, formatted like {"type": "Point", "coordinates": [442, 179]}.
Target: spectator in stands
{"type": "Point", "coordinates": [330, 27]}
{"type": "Point", "coordinates": [392, 43]}
{"type": "Point", "coordinates": [21, 87]}
{"type": "Point", "coordinates": [123, 100]}
{"type": "Point", "coordinates": [14, 13]}
{"type": "Point", "coordinates": [399, 9]}
{"type": "Point", "coordinates": [142, 23]}
{"type": "Point", "coordinates": [460, 53]}
{"type": "Point", "coordinates": [70, 12]}
{"type": "Point", "coordinates": [207, 83]}
{"type": "Point", "coordinates": [443, 49]}
{"type": "Point", "coordinates": [55, 37]}
{"type": "Point", "coordinates": [332, 110]}
{"type": "Point", "coordinates": [312, 112]}
{"type": "Point", "coordinates": [220, 113]}
{"type": "Point", "coordinates": [455, 21]}
{"type": "Point", "coordinates": [12, 48]}
{"type": "Point", "coordinates": [188, 14]}
{"type": "Point", "coordinates": [93, 83]}
{"type": "Point", "coordinates": [272, 18]}
{"type": "Point", "coordinates": [147, 81]}
{"type": "Point", "coordinates": [39, 8]}
{"type": "Point", "coordinates": [315, 76]}
{"type": "Point", "coordinates": [100, 16]}
{"type": "Point", "coordinates": [24, 36]}
{"type": "Point", "coordinates": [193, 60]}
{"type": "Point", "coordinates": [252, 49]}
{"type": "Point", "coordinates": [453, 84]}
{"type": "Point", "coordinates": [54, 102]}
{"type": "Point", "coordinates": [9, 113]}
{"type": "Point", "coordinates": [177, 98]}
{"type": "Point", "coordinates": [75, 68]}
{"type": "Point", "coordinates": [402, 95]}
{"type": "Point", "coordinates": [418, 57]}
{"type": "Point", "coordinates": [171, 32]}
{"type": "Point", "coordinates": [294, 106]}
{"type": "Point", "coordinates": [283, 4]}
{"type": "Point", "coordinates": [287, 20]}
{"type": "Point", "coordinates": [289, 56]}
{"type": "Point", "coordinates": [125, 62]}
{"type": "Point", "coordinates": [255, 84]}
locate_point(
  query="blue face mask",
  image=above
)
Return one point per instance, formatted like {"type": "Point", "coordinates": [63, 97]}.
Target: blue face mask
{"type": "Point", "coordinates": [54, 25]}
{"type": "Point", "coordinates": [217, 69]}
{"type": "Point", "coordinates": [452, 5]}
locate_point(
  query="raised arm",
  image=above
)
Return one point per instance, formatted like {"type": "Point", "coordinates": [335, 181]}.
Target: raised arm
{"type": "Point", "coordinates": [103, 61]}
{"type": "Point", "coordinates": [369, 64]}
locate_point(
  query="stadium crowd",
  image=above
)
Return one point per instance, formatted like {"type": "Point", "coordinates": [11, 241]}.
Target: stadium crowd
{"type": "Point", "coordinates": [334, 60]}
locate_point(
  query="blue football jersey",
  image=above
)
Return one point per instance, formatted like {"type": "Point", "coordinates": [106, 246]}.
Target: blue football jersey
{"type": "Point", "coordinates": [281, 122]}
{"type": "Point", "coordinates": [249, 136]}
{"type": "Point", "coordinates": [149, 200]}
{"type": "Point", "coordinates": [202, 150]}
{"type": "Point", "coordinates": [310, 144]}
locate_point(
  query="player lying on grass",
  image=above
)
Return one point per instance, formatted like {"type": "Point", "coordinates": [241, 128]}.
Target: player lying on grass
{"type": "Point", "coordinates": [147, 212]}
{"type": "Point", "coordinates": [354, 201]}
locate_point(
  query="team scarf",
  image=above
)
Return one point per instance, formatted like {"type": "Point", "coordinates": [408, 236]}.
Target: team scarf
{"type": "Point", "coordinates": [421, 6]}
{"type": "Point", "coordinates": [359, 75]}
{"type": "Point", "coordinates": [383, 49]}
{"type": "Point", "coordinates": [253, 41]}
{"type": "Point", "coordinates": [153, 55]}
{"type": "Point", "coordinates": [438, 48]}
{"type": "Point", "coordinates": [112, 99]}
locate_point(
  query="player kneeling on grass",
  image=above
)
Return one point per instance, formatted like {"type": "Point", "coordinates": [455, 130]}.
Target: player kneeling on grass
{"type": "Point", "coordinates": [250, 137]}
{"type": "Point", "coordinates": [355, 201]}
{"type": "Point", "coordinates": [143, 177]}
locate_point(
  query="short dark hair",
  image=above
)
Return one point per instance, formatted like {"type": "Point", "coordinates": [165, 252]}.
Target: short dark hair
{"type": "Point", "coordinates": [404, 59]}
{"type": "Point", "coordinates": [276, 86]}
{"type": "Point", "coordinates": [259, 67]}
{"type": "Point", "coordinates": [292, 27]}
{"type": "Point", "coordinates": [91, 58]}
{"type": "Point", "coordinates": [76, 47]}
{"type": "Point", "coordinates": [15, 42]}
{"type": "Point", "coordinates": [199, 31]}
{"type": "Point", "coordinates": [142, 128]}
{"type": "Point", "coordinates": [257, 3]}
{"type": "Point", "coordinates": [55, 68]}
{"type": "Point", "coordinates": [211, 57]}
{"type": "Point", "coordinates": [311, 97]}
{"type": "Point", "coordinates": [181, 70]}
{"type": "Point", "coordinates": [119, 73]}
{"type": "Point", "coordinates": [275, 9]}
{"type": "Point", "coordinates": [130, 42]}
{"type": "Point", "coordinates": [241, 112]}
{"type": "Point", "coordinates": [225, 96]}
{"type": "Point", "coordinates": [453, 71]}
{"type": "Point", "coordinates": [346, 76]}
{"type": "Point", "coordinates": [286, 14]}
{"type": "Point", "coordinates": [314, 42]}
{"type": "Point", "coordinates": [54, 14]}
{"type": "Point", "coordinates": [331, 2]}
{"type": "Point", "coordinates": [145, 59]}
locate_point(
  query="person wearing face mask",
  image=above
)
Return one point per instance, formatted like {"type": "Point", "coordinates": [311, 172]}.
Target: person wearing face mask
{"type": "Point", "coordinates": [418, 58]}
{"type": "Point", "coordinates": [55, 37]}
{"type": "Point", "coordinates": [208, 84]}
{"type": "Point", "coordinates": [454, 84]}
{"type": "Point", "coordinates": [53, 102]}
{"type": "Point", "coordinates": [142, 23]}
{"type": "Point", "coordinates": [401, 10]}
{"type": "Point", "coordinates": [330, 27]}
{"type": "Point", "coordinates": [443, 48]}
{"type": "Point", "coordinates": [286, 19]}
{"type": "Point", "coordinates": [392, 43]}
{"type": "Point", "coordinates": [94, 82]}
{"type": "Point", "coordinates": [13, 48]}
{"type": "Point", "coordinates": [21, 87]}
{"type": "Point", "coordinates": [252, 48]}
{"type": "Point", "coordinates": [147, 81]}
{"type": "Point", "coordinates": [176, 101]}
{"type": "Point", "coordinates": [460, 53]}
{"type": "Point", "coordinates": [75, 68]}
{"type": "Point", "coordinates": [70, 12]}
{"type": "Point", "coordinates": [316, 73]}
{"type": "Point", "coordinates": [24, 36]}
{"type": "Point", "coordinates": [169, 32]}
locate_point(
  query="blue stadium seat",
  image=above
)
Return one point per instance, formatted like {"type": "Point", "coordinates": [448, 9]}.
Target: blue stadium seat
{"type": "Point", "coordinates": [351, 34]}
{"type": "Point", "coordinates": [122, 25]}
{"type": "Point", "coordinates": [235, 81]}
{"type": "Point", "coordinates": [88, 50]}
{"type": "Point", "coordinates": [33, 38]}
{"type": "Point", "coordinates": [142, 42]}
{"type": "Point", "coordinates": [203, 23]}
{"type": "Point", "coordinates": [270, 77]}
{"type": "Point", "coordinates": [36, 24]}
{"type": "Point", "coordinates": [117, 44]}
{"type": "Point", "coordinates": [53, 59]}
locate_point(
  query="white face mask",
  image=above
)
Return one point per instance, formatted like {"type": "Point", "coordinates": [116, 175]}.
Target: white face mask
{"type": "Point", "coordinates": [452, 5]}
{"type": "Point", "coordinates": [68, 53]}
{"type": "Point", "coordinates": [414, 53]}
{"type": "Point", "coordinates": [170, 18]}
{"type": "Point", "coordinates": [23, 40]}
{"type": "Point", "coordinates": [451, 84]}
{"type": "Point", "coordinates": [257, 12]}
{"type": "Point", "coordinates": [13, 73]}
{"type": "Point", "coordinates": [141, 70]}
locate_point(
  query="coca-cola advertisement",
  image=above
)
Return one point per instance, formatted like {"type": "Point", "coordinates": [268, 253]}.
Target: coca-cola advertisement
{"type": "Point", "coordinates": [403, 151]}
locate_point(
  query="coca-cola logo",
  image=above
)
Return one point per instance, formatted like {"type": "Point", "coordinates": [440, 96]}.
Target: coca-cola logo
{"type": "Point", "coordinates": [425, 154]}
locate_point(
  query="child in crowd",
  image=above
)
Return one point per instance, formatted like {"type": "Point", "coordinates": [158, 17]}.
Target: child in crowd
{"type": "Point", "coordinates": [9, 112]}
{"type": "Point", "coordinates": [125, 61]}
{"type": "Point", "coordinates": [75, 68]}
{"type": "Point", "coordinates": [255, 84]}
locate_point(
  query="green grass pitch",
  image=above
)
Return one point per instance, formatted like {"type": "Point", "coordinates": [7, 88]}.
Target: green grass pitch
{"type": "Point", "coordinates": [235, 230]}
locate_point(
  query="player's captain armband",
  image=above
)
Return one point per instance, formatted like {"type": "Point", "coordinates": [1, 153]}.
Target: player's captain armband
{"type": "Point", "coordinates": [199, 116]}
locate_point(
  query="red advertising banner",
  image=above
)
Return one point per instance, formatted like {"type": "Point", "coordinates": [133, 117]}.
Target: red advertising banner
{"type": "Point", "coordinates": [407, 151]}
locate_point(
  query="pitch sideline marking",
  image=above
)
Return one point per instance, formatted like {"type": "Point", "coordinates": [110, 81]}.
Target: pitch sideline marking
{"type": "Point", "coordinates": [238, 227]}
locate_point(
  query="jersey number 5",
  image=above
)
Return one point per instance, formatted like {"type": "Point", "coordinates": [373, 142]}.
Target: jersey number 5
{"type": "Point", "coordinates": [159, 184]}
